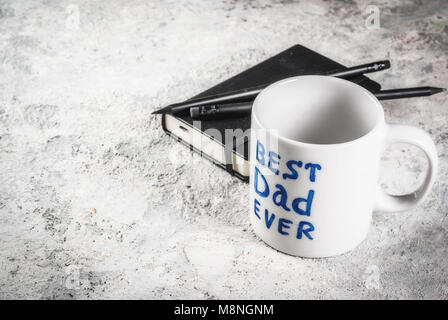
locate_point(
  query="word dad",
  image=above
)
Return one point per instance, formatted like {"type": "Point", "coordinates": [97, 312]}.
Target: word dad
{"type": "Point", "coordinates": [300, 206]}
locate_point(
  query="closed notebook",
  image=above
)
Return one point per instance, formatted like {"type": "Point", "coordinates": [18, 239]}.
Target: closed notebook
{"type": "Point", "coordinates": [208, 137]}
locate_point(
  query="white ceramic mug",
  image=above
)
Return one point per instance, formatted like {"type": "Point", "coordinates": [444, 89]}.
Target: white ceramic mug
{"type": "Point", "coordinates": [315, 153]}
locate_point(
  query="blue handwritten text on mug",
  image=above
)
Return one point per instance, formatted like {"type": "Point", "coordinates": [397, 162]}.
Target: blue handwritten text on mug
{"type": "Point", "coordinates": [280, 196]}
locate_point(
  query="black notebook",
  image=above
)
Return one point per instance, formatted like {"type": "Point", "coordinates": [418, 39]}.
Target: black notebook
{"type": "Point", "coordinates": [208, 136]}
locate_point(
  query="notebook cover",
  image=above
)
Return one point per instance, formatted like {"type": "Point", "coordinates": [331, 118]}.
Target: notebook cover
{"type": "Point", "coordinates": [297, 60]}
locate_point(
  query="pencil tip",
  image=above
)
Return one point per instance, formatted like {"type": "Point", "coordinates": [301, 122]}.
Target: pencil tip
{"type": "Point", "coordinates": [437, 90]}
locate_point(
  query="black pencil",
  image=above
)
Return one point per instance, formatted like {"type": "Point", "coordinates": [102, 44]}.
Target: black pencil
{"type": "Point", "coordinates": [242, 108]}
{"type": "Point", "coordinates": [251, 93]}
{"type": "Point", "coordinates": [407, 93]}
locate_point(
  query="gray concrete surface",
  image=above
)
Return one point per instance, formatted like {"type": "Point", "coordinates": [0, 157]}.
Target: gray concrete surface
{"type": "Point", "coordinates": [97, 202]}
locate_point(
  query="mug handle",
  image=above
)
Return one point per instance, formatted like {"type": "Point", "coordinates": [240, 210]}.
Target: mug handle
{"type": "Point", "coordinates": [419, 138]}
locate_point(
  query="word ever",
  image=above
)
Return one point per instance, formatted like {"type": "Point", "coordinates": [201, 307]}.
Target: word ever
{"type": "Point", "coordinates": [298, 205]}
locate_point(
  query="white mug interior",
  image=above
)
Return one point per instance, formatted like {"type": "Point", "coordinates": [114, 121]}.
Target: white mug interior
{"type": "Point", "coordinates": [318, 110]}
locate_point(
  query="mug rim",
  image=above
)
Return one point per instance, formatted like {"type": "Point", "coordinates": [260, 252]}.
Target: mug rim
{"type": "Point", "coordinates": [366, 92]}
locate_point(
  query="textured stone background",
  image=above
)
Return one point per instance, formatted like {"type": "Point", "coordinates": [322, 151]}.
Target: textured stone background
{"type": "Point", "coordinates": [97, 202]}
